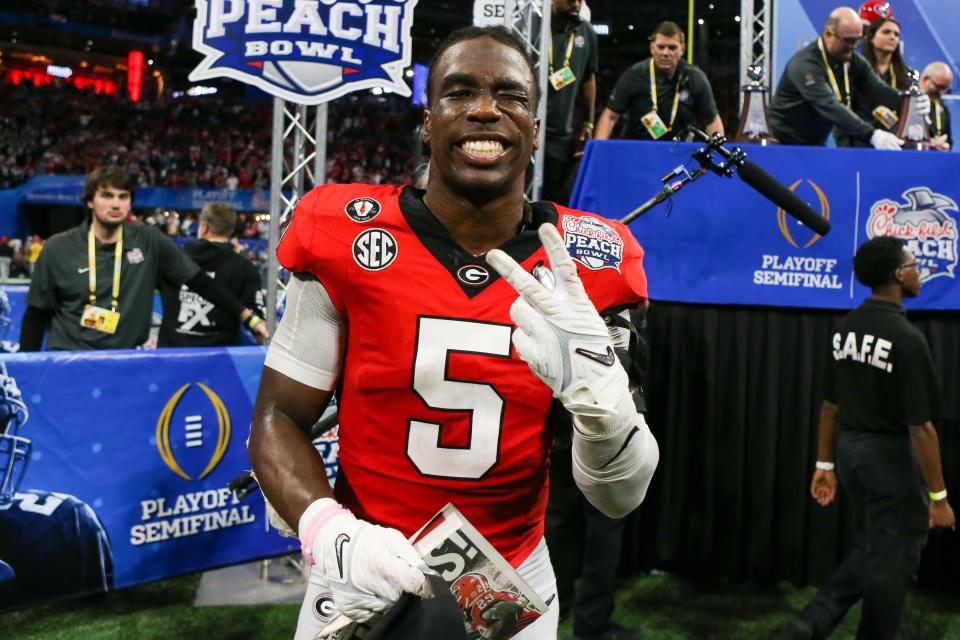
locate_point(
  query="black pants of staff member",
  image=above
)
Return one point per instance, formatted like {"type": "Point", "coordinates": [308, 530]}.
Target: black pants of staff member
{"type": "Point", "coordinates": [583, 541]}
{"type": "Point", "coordinates": [891, 510]}
{"type": "Point", "coordinates": [559, 169]}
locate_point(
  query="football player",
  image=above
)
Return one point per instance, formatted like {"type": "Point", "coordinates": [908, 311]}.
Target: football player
{"type": "Point", "coordinates": [51, 544]}
{"type": "Point", "coordinates": [405, 302]}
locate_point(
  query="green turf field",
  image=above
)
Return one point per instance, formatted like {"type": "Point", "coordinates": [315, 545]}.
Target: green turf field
{"type": "Point", "coordinates": [662, 606]}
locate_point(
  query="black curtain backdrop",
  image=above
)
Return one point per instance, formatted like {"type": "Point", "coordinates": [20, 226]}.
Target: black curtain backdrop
{"type": "Point", "coordinates": [734, 399]}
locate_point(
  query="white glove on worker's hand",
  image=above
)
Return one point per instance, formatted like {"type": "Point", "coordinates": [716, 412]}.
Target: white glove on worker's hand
{"type": "Point", "coordinates": [366, 566]}
{"type": "Point", "coordinates": [562, 337]}
{"type": "Point", "coordinates": [940, 143]}
{"type": "Point", "coordinates": [885, 141]}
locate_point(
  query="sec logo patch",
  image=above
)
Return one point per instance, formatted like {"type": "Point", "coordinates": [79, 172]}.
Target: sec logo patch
{"type": "Point", "coordinates": [375, 249]}
{"type": "Point", "coordinates": [362, 209]}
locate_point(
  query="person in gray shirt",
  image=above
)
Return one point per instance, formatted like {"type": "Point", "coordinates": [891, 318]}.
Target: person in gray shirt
{"type": "Point", "coordinates": [818, 85]}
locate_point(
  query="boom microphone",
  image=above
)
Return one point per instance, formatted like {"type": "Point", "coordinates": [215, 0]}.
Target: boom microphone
{"type": "Point", "coordinates": [770, 188]}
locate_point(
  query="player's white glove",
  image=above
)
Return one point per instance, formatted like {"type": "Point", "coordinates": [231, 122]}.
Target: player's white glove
{"type": "Point", "coordinates": [564, 340]}
{"type": "Point", "coordinates": [885, 141]}
{"type": "Point", "coordinates": [922, 105]}
{"type": "Point", "coordinates": [366, 566]}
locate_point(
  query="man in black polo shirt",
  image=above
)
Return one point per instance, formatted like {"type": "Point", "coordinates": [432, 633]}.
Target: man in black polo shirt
{"type": "Point", "coordinates": [93, 285]}
{"type": "Point", "coordinates": [571, 93]}
{"type": "Point", "coordinates": [819, 84]}
{"type": "Point", "coordinates": [661, 95]}
{"type": "Point", "coordinates": [936, 80]}
{"type": "Point", "coordinates": [882, 395]}
{"type": "Point", "coordinates": [188, 319]}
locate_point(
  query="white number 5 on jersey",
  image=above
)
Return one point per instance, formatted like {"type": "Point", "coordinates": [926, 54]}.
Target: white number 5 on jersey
{"type": "Point", "coordinates": [436, 339]}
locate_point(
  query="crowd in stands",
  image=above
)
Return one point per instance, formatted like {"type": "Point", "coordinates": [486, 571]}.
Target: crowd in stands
{"type": "Point", "coordinates": [203, 142]}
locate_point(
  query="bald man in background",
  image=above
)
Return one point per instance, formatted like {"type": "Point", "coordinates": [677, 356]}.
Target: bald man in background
{"type": "Point", "coordinates": [936, 80]}
{"type": "Point", "coordinates": [818, 85]}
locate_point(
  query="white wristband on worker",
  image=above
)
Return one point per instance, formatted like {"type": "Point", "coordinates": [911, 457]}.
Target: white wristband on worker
{"type": "Point", "coordinates": [823, 465]}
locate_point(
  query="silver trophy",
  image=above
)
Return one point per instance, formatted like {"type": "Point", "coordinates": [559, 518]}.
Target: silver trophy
{"type": "Point", "coordinates": [913, 128]}
{"type": "Point", "coordinates": [753, 125]}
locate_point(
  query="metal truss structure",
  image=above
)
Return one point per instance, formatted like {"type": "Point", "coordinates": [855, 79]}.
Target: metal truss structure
{"type": "Point", "coordinates": [298, 163]}
{"type": "Point", "coordinates": [756, 29]}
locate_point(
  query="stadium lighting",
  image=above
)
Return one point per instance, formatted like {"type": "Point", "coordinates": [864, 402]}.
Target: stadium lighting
{"type": "Point", "coordinates": [736, 18]}
{"type": "Point", "coordinates": [59, 72]}
{"type": "Point", "coordinates": [700, 21]}
{"type": "Point", "coordinates": [201, 90]}
{"type": "Point", "coordinates": [134, 74]}
{"type": "Point", "coordinates": [601, 29]}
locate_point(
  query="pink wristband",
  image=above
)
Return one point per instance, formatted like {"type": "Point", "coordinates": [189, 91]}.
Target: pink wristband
{"type": "Point", "coordinates": [315, 525]}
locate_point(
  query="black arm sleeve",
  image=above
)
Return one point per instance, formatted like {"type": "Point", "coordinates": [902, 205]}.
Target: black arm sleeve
{"type": "Point", "coordinates": [215, 293]}
{"type": "Point", "coordinates": [36, 321]}
{"type": "Point", "coordinates": [631, 348]}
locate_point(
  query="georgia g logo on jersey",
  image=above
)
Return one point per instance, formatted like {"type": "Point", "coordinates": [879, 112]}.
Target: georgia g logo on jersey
{"type": "Point", "coordinates": [473, 275]}
{"type": "Point", "coordinates": [307, 51]}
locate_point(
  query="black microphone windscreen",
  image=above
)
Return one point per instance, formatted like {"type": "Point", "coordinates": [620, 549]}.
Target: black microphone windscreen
{"type": "Point", "coordinates": [767, 185]}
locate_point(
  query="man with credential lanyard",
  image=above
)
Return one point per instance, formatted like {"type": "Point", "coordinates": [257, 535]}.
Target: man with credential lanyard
{"type": "Point", "coordinates": [936, 80]}
{"type": "Point", "coordinates": [819, 84]}
{"type": "Point", "coordinates": [571, 95]}
{"type": "Point", "coordinates": [84, 311]}
{"type": "Point", "coordinates": [662, 95]}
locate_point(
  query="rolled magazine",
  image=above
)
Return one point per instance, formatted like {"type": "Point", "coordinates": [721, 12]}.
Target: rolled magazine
{"type": "Point", "coordinates": [495, 601]}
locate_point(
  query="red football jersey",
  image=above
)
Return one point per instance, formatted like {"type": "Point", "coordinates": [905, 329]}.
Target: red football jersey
{"type": "Point", "coordinates": [435, 405]}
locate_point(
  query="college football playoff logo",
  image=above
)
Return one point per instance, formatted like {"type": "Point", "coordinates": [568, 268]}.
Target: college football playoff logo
{"type": "Point", "coordinates": [185, 425]}
{"type": "Point", "coordinates": [306, 51]}
{"type": "Point", "coordinates": [783, 223]}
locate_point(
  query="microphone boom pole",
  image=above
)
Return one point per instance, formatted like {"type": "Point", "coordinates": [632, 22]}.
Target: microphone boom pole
{"type": "Point", "coordinates": [749, 172]}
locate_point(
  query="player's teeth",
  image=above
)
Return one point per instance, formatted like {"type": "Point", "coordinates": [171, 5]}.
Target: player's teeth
{"type": "Point", "coordinates": [483, 147]}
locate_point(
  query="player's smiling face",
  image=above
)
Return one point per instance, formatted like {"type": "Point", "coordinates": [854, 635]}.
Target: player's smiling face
{"type": "Point", "coordinates": [482, 125]}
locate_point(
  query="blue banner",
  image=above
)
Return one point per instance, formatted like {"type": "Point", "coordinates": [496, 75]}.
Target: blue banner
{"type": "Point", "coordinates": [17, 296]}
{"type": "Point", "coordinates": [128, 458]}
{"type": "Point", "coordinates": [67, 190]}
{"type": "Point", "coordinates": [723, 243]}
